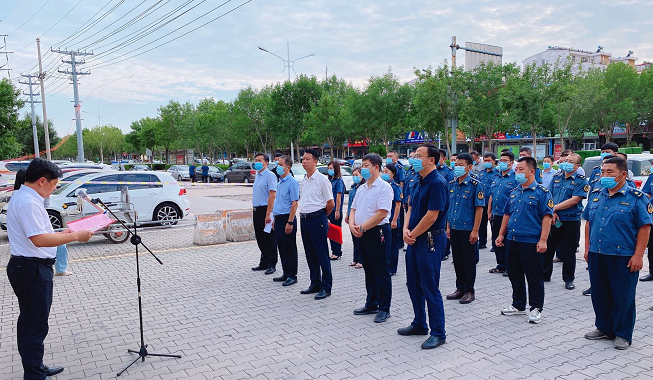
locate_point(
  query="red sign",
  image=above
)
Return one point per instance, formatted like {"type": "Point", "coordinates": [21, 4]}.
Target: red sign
{"type": "Point", "coordinates": [557, 152]}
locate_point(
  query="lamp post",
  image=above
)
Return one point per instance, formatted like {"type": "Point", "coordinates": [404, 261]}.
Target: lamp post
{"type": "Point", "coordinates": [99, 124]}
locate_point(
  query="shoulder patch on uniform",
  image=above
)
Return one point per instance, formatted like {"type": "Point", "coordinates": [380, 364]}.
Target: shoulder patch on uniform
{"type": "Point", "coordinates": [650, 208]}
{"type": "Point", "coordinates": [596, 180]}
{"type": "Point", "coordinates": [452, 181]}
{"type": "Point", "coordinates": [596, 190]}
{"type": "Point", "coordinates": [586, 188]}
{"type": "Point", "coordinates": [635, 192]}
{"type": "Point", "coordinates": [581, 176]}
{"type": "Point", "coordinates": [550, 203]}
{"type": "Point", "coordinates": [480, 195]}
{"type": "Point", "coordinates": [475, 182]}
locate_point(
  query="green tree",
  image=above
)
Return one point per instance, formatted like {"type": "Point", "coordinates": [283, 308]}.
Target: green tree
{"type": "Point", "coordinates": [171, 118]}
{"type": "Point", "coordinates": [251, 109]}
{"type": "Point", "coordinates": [25, 135]}
{"type": "Point", "coordinates": [10, 105]}
{"type": "Point", "coordinates": [615, 104]}
{"type": "Point", "coordinates": [644, 102]}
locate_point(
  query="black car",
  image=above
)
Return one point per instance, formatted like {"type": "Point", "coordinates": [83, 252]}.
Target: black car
{"type": "Point", "coordinates": [240, 172]}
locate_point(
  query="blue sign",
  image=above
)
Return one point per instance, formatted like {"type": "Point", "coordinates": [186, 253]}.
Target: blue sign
{"type": "Point", "coordinates": [414, 137]}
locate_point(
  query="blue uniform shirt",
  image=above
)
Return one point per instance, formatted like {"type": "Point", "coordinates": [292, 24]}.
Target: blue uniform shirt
{"type": "Point", "coordinates": [287, 193]}
{"type": "Point", "coordinates": [464, 197]}
{"type": "Point", "coordinates": [446, 172]}
{"type": "Point", "coordinates": [397, 196]}
{"type": "Point", "coordinates": [615, 220]}
{"type": "Point", "coordinates": [401, 173]}
{"type": "Point", "coordinates": [538, 175]}
{"type": "Point", "coordinates": [205, 169]}
{"type": "Point", "coordinates": [191, 170]}
{"type": "Point", "coordinates": [431, 194]}
{"type": "Point", "coordinates": [648, 185]}
{"type": "Point", "coordinates": [563, 188]}
{"type": "Point", "coordinates": [410, 184]}
{"type": "Point", "coordinates": [264, 182]}
{"type": "Point", "coordinates": [547, 177]}
{"type": "Point", "coordinates": [352, 194]}
{"type": "Point", "coordinates": [596, 173]}
{"type": "Point", "coordinates": [500, 191]}
{"type": "Point", "coordinates": [338, 186]}
{"type": "Point", "coordinates": [526, 209]}
{"type": "Point", "coordinates": [486, 177]}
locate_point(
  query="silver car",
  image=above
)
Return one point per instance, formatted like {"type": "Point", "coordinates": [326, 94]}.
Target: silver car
{"type": "Point", "coordinates": [180, 172]}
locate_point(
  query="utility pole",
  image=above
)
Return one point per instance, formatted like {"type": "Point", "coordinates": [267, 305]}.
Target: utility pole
{"type": "Point", "coordinates": [46, 127]}
{"type": "Point", "coordinates": [31, 100]}
{"type": "Point", "coordinates": [75, 73]}
{"type": "Point", "coordinates": [6, 53]}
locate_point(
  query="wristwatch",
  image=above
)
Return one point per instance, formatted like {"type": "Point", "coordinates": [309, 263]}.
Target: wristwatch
{"type": "Point", "coordinates": [291, 222]}
{"type": "Point", "coordinates": [361, 229]}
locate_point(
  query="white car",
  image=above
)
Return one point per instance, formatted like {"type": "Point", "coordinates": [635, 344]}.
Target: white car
{"type": "Point", "coordinates": [152, 201]}
{"type": "Point", "coordinates": [87, 165]}
{"type": "Point", "coordinates": [345, 171]}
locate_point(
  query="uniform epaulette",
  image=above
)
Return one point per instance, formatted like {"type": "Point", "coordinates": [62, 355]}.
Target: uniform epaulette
{"type": "Point", "coordinates": [474, 181]}
{"type": "Point", "coordinates": [597, 166]}
{"type": "Point", "coordinates": [635, 192]}
{"type": "Point", "coordinates": [581, 176]}
{"type": "Point", "coordinates": [539, 185]}
{"type": "Point", "coordinates": [595, 180]}
{"type": "Point", "coordinates": [452, 181]}
{"type": "Point", "coordinates": [596, 190]}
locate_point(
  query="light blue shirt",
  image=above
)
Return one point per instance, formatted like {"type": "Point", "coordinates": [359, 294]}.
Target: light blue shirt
{"type": "Point", "coordinates": [287, 193]}
{"type": "Point", "coordinates": [547, 177]}
{"type": "Point", "coordinates": [264, 182]}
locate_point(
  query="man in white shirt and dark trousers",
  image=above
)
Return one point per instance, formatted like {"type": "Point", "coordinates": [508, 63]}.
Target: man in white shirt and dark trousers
{"type": "Point", "coordinates": [33, 247]}
{"type": "Point", "coordinates": [369, 221]}
{"type": "Point", "coordinates": [316, 202]}
{"type": "Point", "coordinates": [264, 192]}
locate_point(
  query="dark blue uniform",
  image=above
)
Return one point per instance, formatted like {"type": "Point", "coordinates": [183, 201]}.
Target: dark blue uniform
{"type": "Point", "coordinates": [614, 222]}
{"type": "Point", "coordinates": [446, 172]}
{"type": "Point", "coordinates": [526, 209]}
{"type": "Point", "coordinates": [337, 187]}
{"type": "Point", "coordinates": [648, 190]}
{"type": "Point", "coordinates": [567, 236]}
{"type": "Point", "coordinates": [354, 239]}
{"type": "Point", "coordinates": [392, 241]}
{"type": "Point", "coordinates": [400, 180]}
{"type": "Point", "coordinates": [410, 185]}
{"type": "Point", "coordinates": [423, 259]}
{"type": "Point", "coordinates": [538, 175]}
{"type": "Point", "coordinates": [500, 192]}
{"type": "Point", "coordinates": [485, 177]}
{"type": "Point", "coordinates": [464, 198]}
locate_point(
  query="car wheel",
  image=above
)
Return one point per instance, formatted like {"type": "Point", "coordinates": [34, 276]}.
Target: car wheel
{"type": "Point", "coordinates": [55, 219]}
{"type": "Point", "coordinates": [246, 180]}
{"type": "Point", "coordinates": [179, 178]}
{"type": "Point", "coordinates": [167, 212]}
{"type": "Point", "coordinates": [115, 235]}
{"type": "Point", "coordinates": [226, 180]}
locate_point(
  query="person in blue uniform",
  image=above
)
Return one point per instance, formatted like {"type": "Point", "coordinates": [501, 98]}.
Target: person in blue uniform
{"type": "Point", "coordinates": [338, 189]}
{"type": "Point", "coordinates": [526, 224]}
{"type": "Point", "coordinates": [486, 177]}
{"type": "Point", "coordinates": [568, 189]}
{"type": "Point", "coordinates": [424, 233]}
{"type": "Point", "coordinates": [648, 190]}
{"type": "Point", "coordinates": [617, 229]}
{"type": "Point", "coordinates": [629, 180]}
{"type": "Point", "coordinates": [464, 216]}
{"type": "Point", "coordinates": [285, 225]}
{"type": "Point", "coordinates": [205, 172]}
{"type": "Point", "coordinates": [191, 172]}
{"type": "Point", "coordinates": [396, 222]}
{"type": "Point", "coordinates": [548, 172]}
{"type": "Point", "coordinates": [452, 161]}
{"type": "Point", "coordinates": [528, 152]}
{"type": "Point", "coordinates": [263, 193]}
{"type": "Point", "coordinates": [400, 179]}
{"type": "Point", "coordinates": [411, 181]}
{"type": "Point", "coordinates": [608, 149]}
{"type": "Point", "coordinates": [446, 172]}
{"type": "Point", "coordinates": [498, 195]}
{"type": "Point", "coordinates": [358, 181]}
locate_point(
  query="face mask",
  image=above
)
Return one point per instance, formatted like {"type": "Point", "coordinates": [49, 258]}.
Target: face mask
{"type": "Point", "coordinates": [452, 164]}
{"type": "Point", "coordinates": [418, 166]}
{"type": "Point", "coordinates": [567, 167]}
{"type": "Point", "coordinates": [609, 182]}
{"type": "Point", "coordinates": [365, 173]}
{"type": "Point", "coordinates": [459, 171]}
{"type": "Point", "coordinates": [331, 172]}
{"type": "Point", "coordinates": [279, 170]}
{"type": "Point", "coordinates": [385, 177]}
{"type": "Point", "coordinates": [604, 155]}
{"type": "Point", "coordinates": [356, 178]}
{"type": "Point", "coordinates": [520, 177]}
{"type": "Point", "coordinates": [388, 160]}
{"type": "Point", "coordinates": [487, 165]}
{"type": "Point", "coordinates": [258, 166]}
{"type": "Point", "coordinates": [546, 166]}
{"type": "Point", "coordinates": [503, 166]}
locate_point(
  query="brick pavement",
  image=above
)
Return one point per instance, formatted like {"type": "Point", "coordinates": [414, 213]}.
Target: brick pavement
{"type": "Point", "coordinates": [231, 323]}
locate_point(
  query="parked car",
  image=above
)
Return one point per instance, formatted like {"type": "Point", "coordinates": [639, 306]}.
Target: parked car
{"type": "Point", "coordinates": [345, 171]}
{"type": "Point", "coordinates": [152, 202]}
{"type": "Point", "coordinates": [639, 164]}
{"type": "Point", "coordinates": [215, 174]}
{"type": "Point", "coordinates": [180, 172]}
{"type": "Point", "coordinates": [357, 164]}
{"type": "Point", "coordinates": [140, 168]}
{"type": "Point", "coordinates": [240, 172]}
{"type": "Point", "coordinates": [77, 165]}
{"type": "Point", "coordinates": [325, 159]}
{"type": "Point", "coordinates": [13, 166]}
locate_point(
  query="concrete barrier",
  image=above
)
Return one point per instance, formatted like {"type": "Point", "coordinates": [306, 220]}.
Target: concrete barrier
{"type": "Point", "coordinates": [223, 226]}
{"type": "Point", "coordinates": [239, 225]}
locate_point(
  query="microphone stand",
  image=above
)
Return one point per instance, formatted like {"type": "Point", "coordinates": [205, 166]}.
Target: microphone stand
{"type": "Point", "coordinates": [136, 240]}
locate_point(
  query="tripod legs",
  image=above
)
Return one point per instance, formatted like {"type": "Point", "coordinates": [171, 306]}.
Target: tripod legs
{"type": "Point", "coordinates": [142, 354]}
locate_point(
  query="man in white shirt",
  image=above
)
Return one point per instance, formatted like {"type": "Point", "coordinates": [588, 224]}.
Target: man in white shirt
{"type": "Point", "coordinates": [369, 221]}
{"type": "Point", "coordinates": [316, 202]}
{"type": "Point", "coordinates": [33, 247]}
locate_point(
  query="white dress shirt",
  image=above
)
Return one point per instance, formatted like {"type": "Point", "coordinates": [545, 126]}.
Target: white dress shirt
{"type": "Point", "coordinates": [370, 199]}
{"type": "Point", "coordinates": [315, 192]}
{"type": "Point", "coordinates": [27, 217]}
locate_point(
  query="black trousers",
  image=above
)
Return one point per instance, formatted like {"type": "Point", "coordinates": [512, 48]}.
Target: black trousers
{"type": "Point", "coordinates": [524, 260]}
{"type": "Point", "coordinates": [205, 178]}
{"type": "Point", "coordinates": [265, 241]}
{"type": "Point", "coordinates": [482, 231]}
{"type": "Point", "coordinates": [566, 237]}
{"type": "Point", "coordinates": [375, 264]}
{"type": "Point", "coordinates": [650, 252]}
{"type": "Point", "coordinates": [287, 244]}
{"type": "Point", "coordinates": [336, 248]}
{"type": "Point", "coordinates": [465, 258]}
{"type": "Point", "coordinates": [314, 237]}
{"type": "Point", "coordinates": [499, 252]}
{"type": "Point", "coordinates": [357, 249]}
{"type": "Point", "coordinates": [32, 284]}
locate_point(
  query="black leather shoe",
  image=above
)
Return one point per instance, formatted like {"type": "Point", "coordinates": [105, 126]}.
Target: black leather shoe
{"type": "Point", "coordinates": [322, 294]}
{"type": "Point", "coordinates": [289, 281]}
{"type": "Point", "coordinates": [569, 285]}
{"type": "Point", "coordinates": [280, 279]}
{"type": "Point", "coordinates": [51, 371]}
{"type": "Point", "coordinates": [433, 342]}
{"type": "Point", "coordinates": [505, 274]}
{"type": "Point", "coordinates": [648, 277]}
{"type": "Point", "coordinates": [445, 258]}
{"type": "Point", "coordinates": [365, 310]}
{"type": "Point", "coordinates": [587, 292]}
{"type": "Point", "coordinates": [310, 289]}
{"type": "Point", "coordinates": [381, 316]}
{"type": "Point", "coordinates": [270, 270]}
{"type": "Point", "coordinates": [411, 330]}
{"type": "Point", "coordinates": [260, 267]}
{"type": "Point", "coordinates": [483, 246]}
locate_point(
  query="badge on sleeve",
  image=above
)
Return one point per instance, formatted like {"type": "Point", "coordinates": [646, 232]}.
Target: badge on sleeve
{"type": "Point", "coordinates": [541, 175]}
{"type": "Point", "coordinates": [586, 188]}
{"type": "Point", "coordinates": [480, 195]}
{"type": "Point", "coordinates": [650, 208]}
{"type": "Point", "coordinates": [550, 203]}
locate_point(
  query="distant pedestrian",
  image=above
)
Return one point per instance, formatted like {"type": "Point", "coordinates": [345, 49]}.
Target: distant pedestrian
{"type": "Point", "coordinates": [548, 172]}
{"type": "Point", "coordinates": [264, 192]}
{"type": "Point", "coordinates": [478, 165]}
{"type": "Point", "coordinates": [285, 222]}
{"type": "Point", "coordinates": [358, 181]}
{"type": "Point", "coordinates": [191, 172]}
{"type": "Point", "coordinates": [205, 172]}
{"type": "Point", "coordinates": [335, 217]}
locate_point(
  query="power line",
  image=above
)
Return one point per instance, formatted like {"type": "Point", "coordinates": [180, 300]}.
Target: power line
{"type": "Point", "coordinates": [79, 30]}
{"type": "Point", "coordinates": [12, 7]}
{"type": "Point", "coordinates": [29, 19]}
{"type": "Point", "coordinates": [115, 21]}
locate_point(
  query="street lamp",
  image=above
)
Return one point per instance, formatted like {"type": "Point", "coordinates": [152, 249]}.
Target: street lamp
{"type": "Point", "coordinates": [287, 63]}
{"type": "Point", "coordinates": [99, 124]}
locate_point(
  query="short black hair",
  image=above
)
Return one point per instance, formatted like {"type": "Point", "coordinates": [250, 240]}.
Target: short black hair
{"type": "Point", "coordinates": [374, 159]}
{"type": "Point", "coordinates": [278, 154]}
{"type": "Point", "coordinates": [313, 153]}
{"type": "Point", "coordinates": [454, 154]}
{"type": "Point", "coordinates": [619, 154]}
{"type": "Point", "coordinates": [491, 155]}
{"type": "Point", "coordinates": [567, 152]}
{"type": "Point", "coordinates": [266, 158]}
{"type": "Point", "coordinates": [392, 151]}
{"type": "Point", "coordinates": [443, 153]}
{"type": "Point", "coordinates": [505, 150]}
{"type": "Point", "coordinates": [287, 161]}
{"type": "Point", "coordinates": [474, 153]}
{"type": "Point", "coordinates": [612, 146]}
{"type": "Point", "coordinates": [432, 151]}
{"type": "Point", "coordinates": [20, 179]}
{"type": "Point", "coordinates": [41, 168]}
{"type": "Point", "coordinates": [508, 154]}
{"type": "Point", "coordinates": [530, 161]}
{"type": "Point", "coordinates": [467, 157]}
{"type": "Point", "coordinates": [527, 150]}
{"type": "Point", "coordinates": [392, 168]}
{"type": "Point", "coordinates": [622, 164]}
{"type": "Point", "coordinates": [549, 157]}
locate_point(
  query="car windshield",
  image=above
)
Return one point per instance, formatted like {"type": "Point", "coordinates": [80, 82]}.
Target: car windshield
{"type": "Point", "coordinates": [182, 167]}
{"type": "Point", "coordinates": [298, 169]}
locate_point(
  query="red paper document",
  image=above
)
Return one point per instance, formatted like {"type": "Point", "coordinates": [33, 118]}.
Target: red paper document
{"type": "Point", "coordinates": [335, 233]}
{"type": "Point", "coordinates": [91, 223]}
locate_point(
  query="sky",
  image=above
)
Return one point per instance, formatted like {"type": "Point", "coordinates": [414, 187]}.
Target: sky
{"type": "Point", "coordinates": [352, 39]}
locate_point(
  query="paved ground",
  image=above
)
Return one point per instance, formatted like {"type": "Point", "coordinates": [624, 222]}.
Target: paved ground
{"type": "Point", "coordinates": [231, 323]}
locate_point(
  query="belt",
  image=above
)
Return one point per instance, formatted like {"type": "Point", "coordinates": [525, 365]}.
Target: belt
{"type": "Point", "coordinates": [260, 208]}
{"type": "Point", "coordinates": [313, 214]}
{"type": "Point", "coordinates": [37, 259]}
{"type": "Point", "coordinates": [436, 232]}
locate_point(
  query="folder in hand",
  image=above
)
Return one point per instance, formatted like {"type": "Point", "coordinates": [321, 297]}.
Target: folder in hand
{"type": "Point", "coordinates": [335, 233]}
